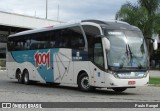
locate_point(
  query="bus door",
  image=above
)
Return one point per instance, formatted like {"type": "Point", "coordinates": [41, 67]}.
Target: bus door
{"type": "Point", "coordinates": [98, 59]}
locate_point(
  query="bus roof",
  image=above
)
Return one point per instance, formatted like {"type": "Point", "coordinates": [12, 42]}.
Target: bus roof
{"type": "Point", "coordinates": [114, 24]}
{"type": "Point", "coordinates": [119, 25]}
{"type": "Point", "coordinates": [43, 29]}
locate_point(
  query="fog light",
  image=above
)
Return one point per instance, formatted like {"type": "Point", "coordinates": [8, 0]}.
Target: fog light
{"type": "Point", "coordinates": [116, 76]}
{"type": "Point", "coordinates": [111, 84]}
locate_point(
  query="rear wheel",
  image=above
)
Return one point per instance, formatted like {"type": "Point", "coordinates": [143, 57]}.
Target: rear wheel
{"type": "Point", "coordinates": [26, 78]}
{"type": "Point", "coordinates": [20, 77]}
{"type": "Point", "coordinates": [119, 90]}
{"type": "Point", "coordinates": [83, 83]}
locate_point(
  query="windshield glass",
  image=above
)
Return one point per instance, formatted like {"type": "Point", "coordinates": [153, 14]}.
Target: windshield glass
{"type": "Point", "coordinates": [128, 49]}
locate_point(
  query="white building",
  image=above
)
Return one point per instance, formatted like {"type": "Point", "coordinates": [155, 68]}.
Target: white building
{"type": "Point", "coordinates": [12, 23]}
{"type": "Point", "coordinates": [23, 21]}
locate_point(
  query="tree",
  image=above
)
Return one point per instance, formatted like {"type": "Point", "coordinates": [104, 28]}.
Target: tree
{"type": "Point", "coordinates": [150, 5]}
{"type": "Point", "coordinates": [143, 15]}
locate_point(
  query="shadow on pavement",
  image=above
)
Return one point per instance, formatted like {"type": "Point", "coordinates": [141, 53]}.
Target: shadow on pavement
{"type": "Point", "coordinates": [99, 91]}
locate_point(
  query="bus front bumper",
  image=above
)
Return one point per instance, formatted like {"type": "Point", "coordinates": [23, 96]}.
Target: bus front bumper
{"type": "Point", "coordinates": [117, 82]}
{"type": "Point", "coordinates": [113, 82]}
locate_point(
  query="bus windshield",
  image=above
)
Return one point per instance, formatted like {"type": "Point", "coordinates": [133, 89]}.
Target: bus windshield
{"type": "Point", "coordinates": [128, 49]}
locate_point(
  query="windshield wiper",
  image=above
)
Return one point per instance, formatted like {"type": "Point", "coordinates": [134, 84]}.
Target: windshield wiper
{"type": "Point", "coordinates": [131, 56]}
{"type": "Point", "coordinates": [130, 53]}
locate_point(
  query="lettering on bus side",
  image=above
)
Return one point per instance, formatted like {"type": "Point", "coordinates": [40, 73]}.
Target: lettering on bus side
{"type": "Point", "coordinates": [42, 59]}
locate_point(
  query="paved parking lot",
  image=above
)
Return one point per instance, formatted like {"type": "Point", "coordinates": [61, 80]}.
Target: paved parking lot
{"type": "Point", "coordinates": [155, 73]}
{"type": "Point", "coordinates": [11, 91]}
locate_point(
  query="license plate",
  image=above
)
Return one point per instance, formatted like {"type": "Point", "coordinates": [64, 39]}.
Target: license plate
{"type": "Point", "coordinates": [131, 82]}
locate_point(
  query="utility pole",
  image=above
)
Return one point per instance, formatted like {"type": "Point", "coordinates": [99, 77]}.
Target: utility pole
{"type": "Point", "coordinates": [35, 14]}
{"type": "Point", "coordinates": [58, 13]}
{"type": "Point", "coordinates": [46, 9]}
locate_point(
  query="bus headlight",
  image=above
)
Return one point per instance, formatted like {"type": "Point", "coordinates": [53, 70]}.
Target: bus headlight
{"type": "Point", "coordinates": [113, 73]}
{"type": "Point", "coordinates": [116, 76]}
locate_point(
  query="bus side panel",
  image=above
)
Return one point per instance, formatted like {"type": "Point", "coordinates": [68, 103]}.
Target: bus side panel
{"type": "Point", "coordinates": [82, 66]}
{"type": "Point", "coordinates": [37, 62]}
{"type": "Point", "coordinates": [13, 66]}
{"type": "Point", "coordinates": [63, 66]}
{"type": "Point", "coordinates": [17, 60]}
{"type": "Point", "coordinates": [10, 66]}
{"type": "Point", "coordinates": [98, 75]}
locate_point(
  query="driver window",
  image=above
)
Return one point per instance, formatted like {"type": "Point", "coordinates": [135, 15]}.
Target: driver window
{"type": "Point", "coordinates": [98, 54]}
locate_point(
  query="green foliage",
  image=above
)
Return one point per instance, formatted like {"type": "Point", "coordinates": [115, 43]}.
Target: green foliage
{"type": "Point", "coordinates": [144, 15]}
{"type": "Point", "coordinates": [156, 55]}
{"type": "Point", "coordinates": [150, 5]}
{"type": "Point", "coordinates": [2, 63]}
{"type": "Point", "coordinates": [154, 81]}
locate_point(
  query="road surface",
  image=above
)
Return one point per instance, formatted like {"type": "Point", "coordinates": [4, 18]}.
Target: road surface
{"type": "Point", "coordinates": [11, 91]}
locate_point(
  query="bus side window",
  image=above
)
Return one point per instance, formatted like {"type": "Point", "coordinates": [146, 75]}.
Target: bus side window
{"type": "Point", "coordinates": [40, 41]}
{"type": "Point", "coordinates": [76, 38]}
{"type": "Point", "coordinates": [18, 45]}
{"type": "Point", "coordinates": [11, 44]}
{"type": "Point", "coordinates": [54, 39]}
{"type": "Point", "coordinates": [25, 42]}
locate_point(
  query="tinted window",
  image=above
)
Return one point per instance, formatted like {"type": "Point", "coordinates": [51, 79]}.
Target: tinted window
{"type": "Point", "coordinates": [18, 43]}
{"type": "Point", "coordinates": [91, 32]}
{"type": "Point", "coordinates": [40, 41]}
{"type": "Point", "coordinates": [98, 54]}
{"type": "Point", "coordinates": [68, 38]}
{"type": "Point", "coordinates": [61, 38]}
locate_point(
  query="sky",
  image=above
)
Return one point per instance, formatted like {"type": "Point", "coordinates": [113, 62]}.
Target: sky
{"type": "Point", "coordinates": [69, 10]}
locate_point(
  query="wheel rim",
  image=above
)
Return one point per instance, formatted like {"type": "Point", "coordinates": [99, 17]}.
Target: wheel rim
{"type": "Point", "coordinates": [19, 77]}
{"type": "Point", "coordinates": [85, 83]}
{"type": "Point", "coordinates": [26, 78]}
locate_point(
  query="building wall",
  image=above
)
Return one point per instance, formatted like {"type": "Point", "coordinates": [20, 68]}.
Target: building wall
{"type": "Point", "coordinates": [17, 20]}
{"type": "Point", "coordinates": [12, 23]}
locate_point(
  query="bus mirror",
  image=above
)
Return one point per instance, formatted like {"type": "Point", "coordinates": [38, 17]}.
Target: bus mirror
{"type": "Point", "coordinates": [106, 43]}
{"type": "Point", "coordinates": [155, 44]}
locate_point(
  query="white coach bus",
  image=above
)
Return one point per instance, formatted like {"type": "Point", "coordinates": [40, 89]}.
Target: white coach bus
{"type": "Point", "coordinates": [90, 54]}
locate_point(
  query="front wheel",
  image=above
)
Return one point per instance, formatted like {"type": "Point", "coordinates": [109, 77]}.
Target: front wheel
{"type": "Point", "coordinates": [119, 90]}
{"type": "Point", "coordinates": [83, 83]}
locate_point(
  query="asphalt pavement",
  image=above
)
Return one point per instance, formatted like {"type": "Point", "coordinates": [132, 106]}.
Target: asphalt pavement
{"type": "Point", "coordinates": [11, 91]}
{"type": "Point", "coordinates": [154, 73]}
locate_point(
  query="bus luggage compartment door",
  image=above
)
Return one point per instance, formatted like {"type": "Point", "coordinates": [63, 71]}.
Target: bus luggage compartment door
{"type": "Point", "coordinates": [63, 67]}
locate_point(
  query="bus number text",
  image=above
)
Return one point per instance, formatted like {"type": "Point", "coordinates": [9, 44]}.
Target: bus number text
{"type": "Point", "coordinates": [42, 59]}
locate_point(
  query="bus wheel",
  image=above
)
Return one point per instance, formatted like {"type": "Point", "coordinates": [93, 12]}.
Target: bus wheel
{"type": "Point", "coordinates": [119, 90]}
{"type": "Point", "coordinates": [83, 83]}
{"type": "Point", "coordinates": [26, 78]}
{"type": "Point", "coordinates": [20, 77]}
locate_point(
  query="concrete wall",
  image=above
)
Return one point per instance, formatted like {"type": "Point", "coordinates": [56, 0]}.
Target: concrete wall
{"type": "Point", "coordinates": [17, 20]}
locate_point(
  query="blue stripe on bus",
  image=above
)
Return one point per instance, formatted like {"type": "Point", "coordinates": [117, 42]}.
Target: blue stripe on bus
{"type": "Point", "coordinates": [79, 55]}
{"type": "Point", "coordinates": [29, 56]}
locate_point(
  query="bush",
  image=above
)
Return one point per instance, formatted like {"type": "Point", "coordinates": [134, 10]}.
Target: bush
{"type": "Point", "coordinates": [2, 63]}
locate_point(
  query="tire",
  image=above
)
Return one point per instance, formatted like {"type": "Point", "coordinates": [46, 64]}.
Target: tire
{"type": "Point", "coordinates": [20, 77]}
{"type": "Point", "coordinates": [83, 83]}
{"type": "Point", "coordinates": [119, 90]}
{"type": "Point", "coordinates": [26, 78]}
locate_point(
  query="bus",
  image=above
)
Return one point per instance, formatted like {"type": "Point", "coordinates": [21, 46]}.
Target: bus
{"type": "Point", "coordinates": [90, 54]}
